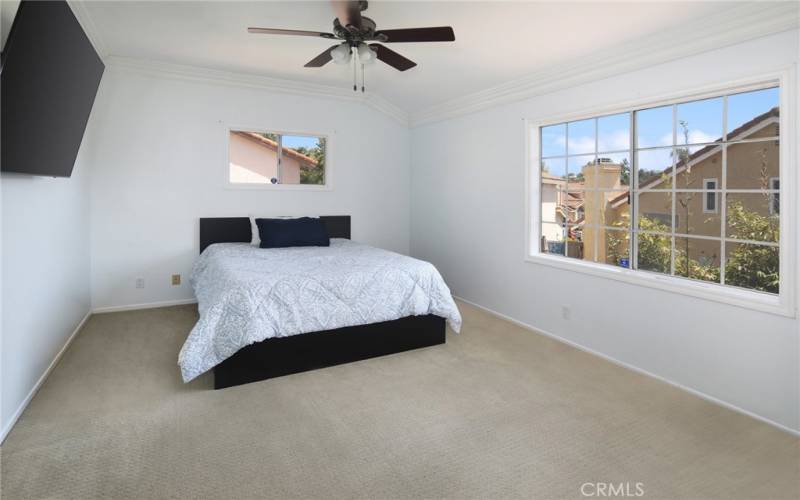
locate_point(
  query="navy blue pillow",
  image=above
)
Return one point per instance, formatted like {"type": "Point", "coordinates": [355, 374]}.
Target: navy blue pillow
{"type": "Point", "coordinates": [302, 232]}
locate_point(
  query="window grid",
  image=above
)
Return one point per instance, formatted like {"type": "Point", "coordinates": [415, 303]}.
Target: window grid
{"type": "Point", "coordinates": [633, 230]}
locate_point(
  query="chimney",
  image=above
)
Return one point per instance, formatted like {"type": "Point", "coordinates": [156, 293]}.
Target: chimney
{"type": "Point", "coordinates": [602, 174]}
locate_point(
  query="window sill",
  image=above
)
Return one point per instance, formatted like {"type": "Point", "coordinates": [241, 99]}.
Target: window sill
{"type": "Point", "coordinates": [732, 296]}
{"type": "Point", "coordinates": [278, 187]}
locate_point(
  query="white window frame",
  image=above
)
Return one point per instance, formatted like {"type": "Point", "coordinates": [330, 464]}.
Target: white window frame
{"type": "Point", "coordinates": [784, 303]}
{"type": "Point", "coordinates": [706, 192]}
{"type": "Point", "coordinates": [227, 184]}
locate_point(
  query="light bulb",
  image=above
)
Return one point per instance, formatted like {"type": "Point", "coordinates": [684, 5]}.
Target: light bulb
{"type": "Point", "coordinates": [341, 54]}
{"type": "Point", "coordinates": [366, 54]}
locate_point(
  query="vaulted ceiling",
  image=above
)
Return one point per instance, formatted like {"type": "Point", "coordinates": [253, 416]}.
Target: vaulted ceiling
{"type": "Point", "coordinates": [495, 41]}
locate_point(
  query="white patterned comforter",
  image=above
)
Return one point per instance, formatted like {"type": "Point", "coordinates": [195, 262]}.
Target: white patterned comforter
{"type": "Point", "coordinates": [247, 294]}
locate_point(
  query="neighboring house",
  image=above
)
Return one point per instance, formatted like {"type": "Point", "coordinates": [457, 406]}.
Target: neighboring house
{"type": "Point", "coordinates": [560, 209]}
{"type": "Point", "coordinates": [254, 159]}
{"type": "Point", "coordinates": [751, 165]}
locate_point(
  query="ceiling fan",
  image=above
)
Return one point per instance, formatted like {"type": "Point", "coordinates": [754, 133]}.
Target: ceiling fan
{"type": "Point", "coordinates": [359, 34]}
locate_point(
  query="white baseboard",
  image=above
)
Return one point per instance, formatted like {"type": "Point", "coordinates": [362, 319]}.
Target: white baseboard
{"type": "Point", "coordinates": [148, 305]}
{"type": "Point", "coordinates": [7, 428]}
{"type": "Point", "coordinates": [636, 369]}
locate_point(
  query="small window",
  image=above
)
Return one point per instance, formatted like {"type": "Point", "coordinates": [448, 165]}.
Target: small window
{"type": "Point", "coordinates": [710, 196]}
{"type": "Point", "coordinates": [269, 158]}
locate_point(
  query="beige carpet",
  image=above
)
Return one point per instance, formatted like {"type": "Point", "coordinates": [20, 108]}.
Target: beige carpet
{"type": "Point", "coordinates": [497, 412]}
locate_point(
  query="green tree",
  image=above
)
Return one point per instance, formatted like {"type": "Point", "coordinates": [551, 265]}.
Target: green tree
{"type": "Point", "coordinates": [653, 250]}
{"type": "Point", "coordinates": [314, 174]}
{"type": "Point", "coordinates": [756, 267]}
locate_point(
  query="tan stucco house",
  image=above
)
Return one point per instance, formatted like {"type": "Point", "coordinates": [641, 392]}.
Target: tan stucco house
{"type": "Point", "coordinates": [751, 165]}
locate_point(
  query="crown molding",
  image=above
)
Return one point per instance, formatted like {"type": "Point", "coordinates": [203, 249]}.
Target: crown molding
{"type": "Point", "coordinates": [198, 74]}
{"type": "Point", "coordinates": [729, 27]}
{"type": "Point", "coordinates": [85, 20]}
{"type": "Point", "coordinates": [247, 80]}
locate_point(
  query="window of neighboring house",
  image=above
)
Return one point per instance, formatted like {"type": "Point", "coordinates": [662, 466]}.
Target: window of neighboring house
{"type": "Point", "coordinates": [688, 189]}
{"type": "Point", "coordinates": [270, 158]}
{"type": "Point", "coordinates": [710, 196]}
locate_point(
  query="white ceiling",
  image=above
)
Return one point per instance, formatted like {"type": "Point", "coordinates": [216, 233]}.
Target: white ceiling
{"type": "Point", "coordinates": [495, 41]}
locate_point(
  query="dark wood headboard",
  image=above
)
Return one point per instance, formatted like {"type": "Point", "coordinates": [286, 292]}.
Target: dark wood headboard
{"type": "Point", "coordinates": [237, 229]}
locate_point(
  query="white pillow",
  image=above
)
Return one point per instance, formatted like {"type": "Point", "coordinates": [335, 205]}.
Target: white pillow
{"type": "Point", "coordinates": [255, 239]}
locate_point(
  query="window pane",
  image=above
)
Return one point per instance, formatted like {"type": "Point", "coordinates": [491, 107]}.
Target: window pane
{"type": "Point", "coordinates": [303, 160]}
{"type": "Point", "coordinates": [554, 140]}
{"type": "Point", "coordinates": [691, 217]}
{"type": "Point", "coordinates": [756, 110]}
{"type": "Point", "coordinates": [581, 137]}
{"type": "Point", "coordinates": [553, 213]}
{"type": "Point", "coordinates": [655, 168]}
{"type": "Point", "coordinates": [554, 169]}
{"type": "Point", "coordinates": [252, 157]}
{"type": "Point", "coordinates": [553, 241]}
{"type": "Point", "coordinates": [696, 163]}
{"type": "Point", "coordinates": [618, 209]}
{"type": "Point", "coordinates": [697, 259]}
{"type": "Point", "coordinates": [573, 206]}
{"type": "Point", "coordinates": [613, 171]}
{"type": "Point", "coordinates": [751, 165]}
{"type": "Point", "coordinates": [654, 127]}
{"type": "Point", "coordinates": [615, 208]}
{"type": "Point", "coordinates": [615, 247]}
{"type": "Point", "coordinates": [700, 121]}
{"type": "Point", "coordinates": [575, 246]}
{"type": "Point", "coordinates": [655, 211]}
{"type": "Point", "coordinates": [756, 267]}
{"type": "Point", "coordinates": [614, 133]}
{"type": "Point", "coordinates": [653, 252]}
{"type": "Point", "coordinates": [579, 168]}
{"type": "Point", "coordinates": [749, 217]}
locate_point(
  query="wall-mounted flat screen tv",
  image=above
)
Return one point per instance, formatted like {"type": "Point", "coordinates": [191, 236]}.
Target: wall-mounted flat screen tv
{"type": "Point", "coordinates": [50, 75]}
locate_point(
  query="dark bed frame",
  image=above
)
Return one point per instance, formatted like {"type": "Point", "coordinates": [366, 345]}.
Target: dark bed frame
{"type": "Point", "coordinates": [298, 353]}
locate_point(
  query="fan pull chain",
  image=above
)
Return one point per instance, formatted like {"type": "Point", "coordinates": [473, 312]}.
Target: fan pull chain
{"type": "Point", "coordinates": [363, 77]}
{"type": "Point", "coordinates": [355, 78]}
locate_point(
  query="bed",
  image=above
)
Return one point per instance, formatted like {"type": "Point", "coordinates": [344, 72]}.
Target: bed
{"type": "Point", "coordinates": [270, 312]}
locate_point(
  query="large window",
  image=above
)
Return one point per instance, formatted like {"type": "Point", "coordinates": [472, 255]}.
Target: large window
{"type": "Point", "coordinates": [689, 189]}
{"type": "Point", "coordinates": [269, 158]}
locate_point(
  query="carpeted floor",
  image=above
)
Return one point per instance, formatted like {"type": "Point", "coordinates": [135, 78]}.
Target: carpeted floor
{"type": "Point", "coordinates": [497, 412]}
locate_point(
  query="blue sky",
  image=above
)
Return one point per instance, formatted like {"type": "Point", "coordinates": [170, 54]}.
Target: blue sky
{"type": "Point", "coordinates": [654, 128]}
{"type": "Point", "coordinates": [296, 141]}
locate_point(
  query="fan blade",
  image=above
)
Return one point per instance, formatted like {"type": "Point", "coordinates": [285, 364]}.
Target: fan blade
{"type": "Point", "coordinates": [392, 58]}
{"type": "Point", "coordinates": [322, 59]}
{"type": "Point", "coordinates": [274, 31]}
{"type": "Point", "coordinates": [348, 12]}
{"type": "Point", "coordinates": [439, 34]}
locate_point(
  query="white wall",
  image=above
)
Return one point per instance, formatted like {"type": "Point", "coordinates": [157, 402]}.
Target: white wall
{"type": "Point", "coordinates": [160, 164]}
{"type": "Point", "coordinates": [469, 221]}
{"type": "Point", "coordinates": [45, 269]}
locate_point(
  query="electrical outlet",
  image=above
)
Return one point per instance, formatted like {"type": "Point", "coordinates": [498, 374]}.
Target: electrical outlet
{"type": "Point", "coordinates": [566, 313]}
{"type": "Point", "coordinates": [139, 282]}
{"type": "Point", "coordinates": [176, 279]}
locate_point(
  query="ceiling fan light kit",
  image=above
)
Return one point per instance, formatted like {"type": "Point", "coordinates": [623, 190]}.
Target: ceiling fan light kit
{"type": "Point", "coordinates": [341, 54]}
{"type": "Point", "coordinates": [359, 34]}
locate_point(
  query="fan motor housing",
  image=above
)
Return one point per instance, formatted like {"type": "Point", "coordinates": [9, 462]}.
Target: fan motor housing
{"type": "Point", "coordinates": [355, 35]}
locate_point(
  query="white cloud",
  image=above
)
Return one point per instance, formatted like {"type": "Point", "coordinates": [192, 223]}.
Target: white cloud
{"type": "Point", "coordinates": [695, 137]}
{"type": "Point", "coordinates": [617, 140]}
{"type": "Point", "coordinates": [580, 145]}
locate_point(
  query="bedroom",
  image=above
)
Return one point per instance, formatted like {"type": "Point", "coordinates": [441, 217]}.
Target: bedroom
{"type": "Point", "coordinates": [659, 361]}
